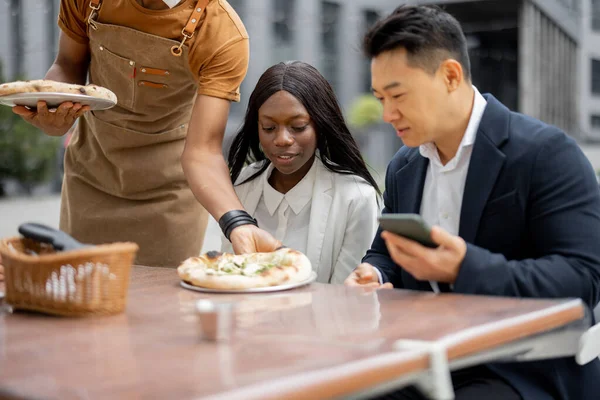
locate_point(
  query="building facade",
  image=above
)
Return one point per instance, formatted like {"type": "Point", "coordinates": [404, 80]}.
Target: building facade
{"type": "Point", "coordinates": [326, 34]}
{"type": "Point", "coordinates": [526, 53]}
{"type": "Point", "coordinates": [541, 57]}
{"type": "Point", "coordinates": [28, 37]}
{"type": "Point", "coordinates": [590, 71]}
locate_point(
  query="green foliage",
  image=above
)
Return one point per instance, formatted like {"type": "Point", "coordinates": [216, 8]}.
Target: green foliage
{"type": "Point", "coordinates": [364, 111]}
{"type": "Point", "coordinates": [26, 153]}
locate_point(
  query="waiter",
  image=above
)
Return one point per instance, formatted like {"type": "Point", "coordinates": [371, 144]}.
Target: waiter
{"type": "Point", "coordinates": [175, 66]}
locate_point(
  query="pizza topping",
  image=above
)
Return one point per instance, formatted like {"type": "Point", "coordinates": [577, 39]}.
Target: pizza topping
{"type": "Point", "coordinates": [236, 266]}
{"type": "Point", "coordinates": [253, 269]}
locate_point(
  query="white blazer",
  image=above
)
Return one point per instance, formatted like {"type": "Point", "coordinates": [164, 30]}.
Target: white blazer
{"type": "Point", "coordinates": [343, 219]}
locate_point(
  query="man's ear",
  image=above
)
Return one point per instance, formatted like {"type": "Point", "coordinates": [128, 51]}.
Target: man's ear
{"type": "Point", "coordinates": [452, 73]}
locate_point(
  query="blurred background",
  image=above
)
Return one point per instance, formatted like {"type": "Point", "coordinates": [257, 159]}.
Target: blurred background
{"type": "Point", "coordinates": [539, 57]}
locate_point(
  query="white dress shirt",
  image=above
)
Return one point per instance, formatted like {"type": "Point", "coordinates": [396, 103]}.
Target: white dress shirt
{"type": "Point", "coordinates": [442, 197]}
{"type": "Point", "coordinates": [444, 184]}
{"type": "Point", "coordinates": [334, 229]}
{"type": "Point", "coordinates": [286, 216]}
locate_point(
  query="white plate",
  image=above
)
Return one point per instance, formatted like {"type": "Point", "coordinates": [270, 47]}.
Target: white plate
{"type": "Point", "coordinates": [53, 100]}
{"type": "Point", "coordinates": [288, 286]}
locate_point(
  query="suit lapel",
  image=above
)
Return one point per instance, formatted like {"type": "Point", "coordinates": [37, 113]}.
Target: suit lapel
{"type": "Point", "coordinates": [410, 181]}
{"type": "Point", "coordinates": [319, 215]}
{"type": "Point", "coordinates": [486, 163]}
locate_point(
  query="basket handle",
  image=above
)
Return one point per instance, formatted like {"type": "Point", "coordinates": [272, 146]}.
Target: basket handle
{"type": "Point", "coordinates": [42, 233]}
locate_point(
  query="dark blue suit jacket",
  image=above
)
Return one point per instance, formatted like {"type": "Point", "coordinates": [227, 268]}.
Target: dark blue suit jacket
{"type": "Point", "coordinates": [531, 219]}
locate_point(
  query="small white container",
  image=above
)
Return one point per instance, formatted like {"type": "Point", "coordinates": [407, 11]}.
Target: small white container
{"type": "Point", "coordinates": [217, 319]}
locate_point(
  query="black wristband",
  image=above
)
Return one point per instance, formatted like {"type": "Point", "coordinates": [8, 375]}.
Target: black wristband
{"type": "Point", "coordinates": [231, 216]}
{"type": "Point", "coordinates": [234, 218]}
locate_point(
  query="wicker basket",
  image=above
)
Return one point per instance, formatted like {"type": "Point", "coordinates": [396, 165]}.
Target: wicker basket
{"type": "Point", "coordinates": [89, 281]}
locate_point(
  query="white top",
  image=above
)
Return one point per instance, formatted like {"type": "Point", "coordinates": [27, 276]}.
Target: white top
{"type": "Point", "coordinates": [331, 216]}
{"type": "Point", "coordinates": [286, 216]}
{"type": "Point", "coordinates": [444, 184]}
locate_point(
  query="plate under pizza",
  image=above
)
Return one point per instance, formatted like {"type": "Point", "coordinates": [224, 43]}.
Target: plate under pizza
{"type": "Point", "coordinates": [264, 289]}
{"type": "Point", "coordinates": [53, 100]}
{"type": "Point", "coordinates": [28, 93]}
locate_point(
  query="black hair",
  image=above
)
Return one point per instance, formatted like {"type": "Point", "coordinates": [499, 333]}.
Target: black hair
{"type": "Point", "coordinates": [428, 33]}
{"type": "Point", "coordinates": [338, 149]}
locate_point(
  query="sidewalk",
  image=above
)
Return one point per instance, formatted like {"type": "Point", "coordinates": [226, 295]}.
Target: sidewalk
{"type": "Point", "coordinates": [17, 210]}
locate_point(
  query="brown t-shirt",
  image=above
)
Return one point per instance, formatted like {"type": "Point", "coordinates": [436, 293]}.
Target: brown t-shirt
{"type": "Point", "coordinates": [218, 52]}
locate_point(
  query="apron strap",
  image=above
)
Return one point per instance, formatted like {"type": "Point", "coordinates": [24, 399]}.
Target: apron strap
{"type": "Point", "coordinates": [189, 29]}
{"type": "Point", "coordinates": [95, 6]}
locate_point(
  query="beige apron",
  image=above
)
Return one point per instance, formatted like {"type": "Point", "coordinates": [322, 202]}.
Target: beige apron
{"type": "Point", "coordinates": [123, 176]}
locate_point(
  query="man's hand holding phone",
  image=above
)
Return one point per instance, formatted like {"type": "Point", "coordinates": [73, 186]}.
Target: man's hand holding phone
{"type": "Point", "coordinates": [428, 254]}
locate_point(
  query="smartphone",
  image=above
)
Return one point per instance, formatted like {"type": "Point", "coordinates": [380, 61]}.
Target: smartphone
{"type": "Point", "coordinates": [411, 226]}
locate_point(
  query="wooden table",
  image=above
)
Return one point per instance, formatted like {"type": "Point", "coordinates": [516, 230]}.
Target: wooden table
{"type": "Point", "coordinates": [320, 341]}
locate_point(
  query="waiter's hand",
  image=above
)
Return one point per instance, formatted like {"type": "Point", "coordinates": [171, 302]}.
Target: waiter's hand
{"type": "Point", "coordinates": [364, 275]}
{"type": "Point", "coordinates": [250, 239]}
{"type": "Point", "coordinates": [1, 270]}
{"type": "Point", "coordinates": [441, 264]}
{"type": "Point", "coordinates": [53, 123]}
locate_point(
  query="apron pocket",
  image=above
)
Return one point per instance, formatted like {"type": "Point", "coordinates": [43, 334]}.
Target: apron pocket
{"type": "Point", "coordinates": [131, 164]}
{"type": "Point", "coordinates": [115, 73]}
{"type": "Point", "coordinates": [113, 137]}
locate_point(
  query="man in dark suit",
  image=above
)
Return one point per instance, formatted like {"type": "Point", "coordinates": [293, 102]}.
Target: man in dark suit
{"type": "Point", "coordinates": [514, 202]}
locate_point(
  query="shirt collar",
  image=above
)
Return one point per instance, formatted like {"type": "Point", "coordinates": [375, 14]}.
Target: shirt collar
{"type": "Point", "coordinates": [429, 150]}
{"type": "Point", "coordinates": [297, 198]}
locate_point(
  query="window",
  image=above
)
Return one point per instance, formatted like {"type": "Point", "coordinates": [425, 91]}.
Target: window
{"type": "Point", "coordinates": [369, 19]}
{"type": "Point", "coordinates": [596, 15]}
{"type": "Point", "coordinates": [596, 77]}
{"type": "Point", "coordinates": [52, 30]}
{"type": "Point", "coordinates": [16, 27]}
{"type": "Point", "coordinates": [595, 121]}
{"type": "Point", "coordinates": [330, 27]}
{"type": "Point", "coordinates": [238, 109]}
{"type": "Point", "coordinates": [283, 30]}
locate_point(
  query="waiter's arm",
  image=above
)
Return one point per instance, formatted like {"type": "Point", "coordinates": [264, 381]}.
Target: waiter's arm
{"type": "Point", "coordinates": [71, 66]}
{"type": "Point", "coordinates": [219, 80]}
{"type": "Point", "coordinates": [208, 175]}
{"type": "Point", "coordinates": [71, 63]}
{"type": "Point", "coordinates": [203, 162]}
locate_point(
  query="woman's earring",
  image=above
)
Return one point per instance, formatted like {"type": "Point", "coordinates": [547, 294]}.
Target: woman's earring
{"type": "Point", "coordinates": [260, 148]}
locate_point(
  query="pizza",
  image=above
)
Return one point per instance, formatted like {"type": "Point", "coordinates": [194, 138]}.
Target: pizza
{"type": "Point", "coordinates": [215, 270]}
{"type": "Point", "coordinates": [48, 86]}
